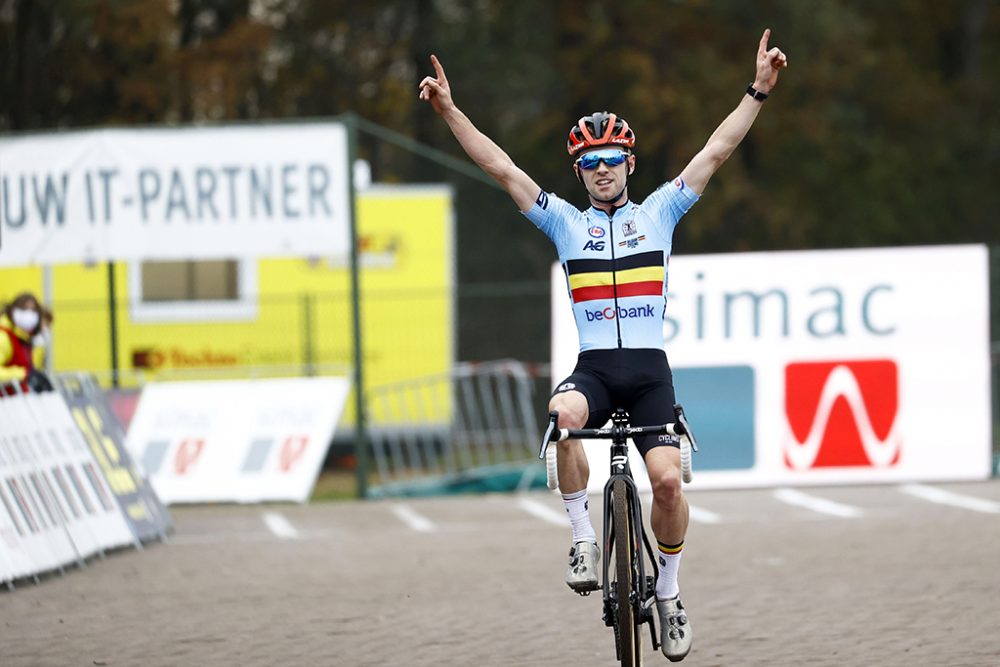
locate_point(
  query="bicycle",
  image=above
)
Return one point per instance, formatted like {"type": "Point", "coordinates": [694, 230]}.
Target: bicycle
{"type": "Point", "coordinates": [630, 597]}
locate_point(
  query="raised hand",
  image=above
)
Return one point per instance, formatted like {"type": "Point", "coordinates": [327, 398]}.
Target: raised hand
{"type": "Point", "coordinates": [769, 63]}
{"type": "Point", "coordinates": [435, 89]}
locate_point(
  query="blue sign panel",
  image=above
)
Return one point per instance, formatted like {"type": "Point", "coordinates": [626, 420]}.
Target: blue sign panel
{"type": "Point", "coordinates": [719, 404]}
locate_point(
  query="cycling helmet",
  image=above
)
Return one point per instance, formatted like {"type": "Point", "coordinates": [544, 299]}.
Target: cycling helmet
{"type": "Point", "coordinates": [599, 129]}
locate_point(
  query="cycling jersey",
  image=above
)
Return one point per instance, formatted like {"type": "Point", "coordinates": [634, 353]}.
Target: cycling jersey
{"type": "Point", "coordinates": [616, 264]}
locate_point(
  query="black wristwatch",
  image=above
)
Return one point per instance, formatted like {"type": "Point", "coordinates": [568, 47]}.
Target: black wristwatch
{"type": "Point", "coordinates": [756, 94]}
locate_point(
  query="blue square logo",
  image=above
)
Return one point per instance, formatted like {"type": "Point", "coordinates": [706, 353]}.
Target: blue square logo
{"type": "Point", "coordinates": [719, 404]}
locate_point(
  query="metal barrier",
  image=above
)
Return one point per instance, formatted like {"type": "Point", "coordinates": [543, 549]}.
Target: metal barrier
{"type": "Point", "coordinates": [481, 415]}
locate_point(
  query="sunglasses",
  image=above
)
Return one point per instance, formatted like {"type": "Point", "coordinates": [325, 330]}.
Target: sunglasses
{"type": "Point", "coordinates": [609, 156]}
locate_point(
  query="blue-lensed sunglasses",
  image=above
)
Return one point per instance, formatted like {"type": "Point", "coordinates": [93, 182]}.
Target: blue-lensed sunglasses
{"type": "Point", "coordinates": [610, 156]}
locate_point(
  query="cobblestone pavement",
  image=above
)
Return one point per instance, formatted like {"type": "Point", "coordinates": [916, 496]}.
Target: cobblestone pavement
{"type": "Point", "coordinates": [874, 575]}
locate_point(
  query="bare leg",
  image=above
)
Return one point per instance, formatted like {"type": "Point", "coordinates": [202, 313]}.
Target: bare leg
{"type": "Point", "coordinates": [669, 519]}
{"type": "Point", "coordinates": [574, 471]}
{"type": "Point", "coordinates": [669, 516]}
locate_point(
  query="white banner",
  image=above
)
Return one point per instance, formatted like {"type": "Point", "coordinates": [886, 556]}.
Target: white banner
{"type": "Point", "coordinates": [187, 193]}
{"type": "Point", "coordinates": [824, 366]}
{"type": "Point", "coordinates": [236, 441]}
{"type": "Point", "coordinates": [55, 506]}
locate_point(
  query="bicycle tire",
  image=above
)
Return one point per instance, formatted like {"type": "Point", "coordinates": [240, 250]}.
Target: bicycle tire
{"type": "Point", "coordinates": [629, 649]}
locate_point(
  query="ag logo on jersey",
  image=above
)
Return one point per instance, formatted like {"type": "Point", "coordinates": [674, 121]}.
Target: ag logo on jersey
{"type": "Point", "coordinates": [594, 245]}
{"type": "Point", "coordinates": [596, 232]}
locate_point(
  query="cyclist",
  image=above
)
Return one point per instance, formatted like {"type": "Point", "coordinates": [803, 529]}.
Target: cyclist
{"type": "Point", "coordinates": [615, 255]}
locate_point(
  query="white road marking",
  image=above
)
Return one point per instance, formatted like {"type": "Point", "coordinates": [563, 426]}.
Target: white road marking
{"type": "Point", "coordinates": [415, 521]}
{"type": "Point", "coordinates": [943, 497]}
{"type": "Point", "coordinates": [280, 526]}
{"type": "Point", "coordinates": [543, 511]}
{"type": "Point", "coordinates": [821, 505]}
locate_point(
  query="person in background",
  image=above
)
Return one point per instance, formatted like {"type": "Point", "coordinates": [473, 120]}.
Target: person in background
{"type": "Point", "coordinates": [20, 322]}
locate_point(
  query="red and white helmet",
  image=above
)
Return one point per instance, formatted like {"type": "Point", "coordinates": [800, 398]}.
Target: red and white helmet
{"type": "Point", "coordinates": [599, 129]}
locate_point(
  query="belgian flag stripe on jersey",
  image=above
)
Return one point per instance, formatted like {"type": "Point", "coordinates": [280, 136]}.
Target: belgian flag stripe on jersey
{"type": "Point", "coordinates": [644, 288]}
{"type": "Point", "coordinates": [652, 258]}
{"type": "Point", "coordinates": [646, 273]}
{"type": "Point", "coordinates": [636, 275]}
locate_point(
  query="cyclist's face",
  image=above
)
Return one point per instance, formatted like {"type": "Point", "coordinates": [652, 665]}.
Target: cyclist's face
{"type": "Point", "coordinates": [603, 181]}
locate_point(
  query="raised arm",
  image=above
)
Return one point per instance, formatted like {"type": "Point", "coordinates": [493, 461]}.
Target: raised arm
{"type": "Point", "coordinates": [490, 157]}
{"type": "Point", "coordinates": [730, 133]}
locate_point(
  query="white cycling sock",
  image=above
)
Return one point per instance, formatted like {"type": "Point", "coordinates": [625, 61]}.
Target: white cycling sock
{"type": "Point", "coordinates": [668, 561]}
{"type": "Point", "coordinates": [578, 507]}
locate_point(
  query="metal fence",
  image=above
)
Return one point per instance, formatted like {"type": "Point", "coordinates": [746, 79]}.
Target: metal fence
{"type": "Point", "coordinates": [481, 415]}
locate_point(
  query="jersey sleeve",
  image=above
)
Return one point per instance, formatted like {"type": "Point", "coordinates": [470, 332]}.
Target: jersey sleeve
{"type": "Point", "coordinates": [552, 214]}
{"type": "Point", "coordinates": [671, 200]}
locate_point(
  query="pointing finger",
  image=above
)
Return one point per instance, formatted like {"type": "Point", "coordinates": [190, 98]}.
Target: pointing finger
{"type": "Point", "coordinates": [762, 49]}
{"type": "Point", "coordinates": [438, 69]}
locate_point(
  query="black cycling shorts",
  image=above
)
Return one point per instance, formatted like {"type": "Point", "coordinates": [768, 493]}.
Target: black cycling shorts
{"type": "Point", "coordinates": [637, 380]}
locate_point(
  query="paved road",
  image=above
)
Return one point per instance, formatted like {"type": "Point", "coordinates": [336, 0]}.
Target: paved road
{"type": "Point", "coordinates": [877, 575]}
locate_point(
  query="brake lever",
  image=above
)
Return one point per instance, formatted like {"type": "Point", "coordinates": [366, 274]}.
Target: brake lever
{"type": "Point", "coordinates": [547, 438]}
{"type": "Point", "coordinates": [679, 415]}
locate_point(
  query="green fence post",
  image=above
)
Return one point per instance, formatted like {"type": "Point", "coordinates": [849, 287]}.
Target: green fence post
{"type": "Point", "coordinates": [360, 431]}
{"type": "Point", "coordinates": [113, 323]}
{"type": "Point", "coordinates": [308, 346]}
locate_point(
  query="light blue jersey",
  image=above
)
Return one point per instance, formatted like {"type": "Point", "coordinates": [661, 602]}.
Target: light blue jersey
{"type": "Point", "coordinates": [616, 267]}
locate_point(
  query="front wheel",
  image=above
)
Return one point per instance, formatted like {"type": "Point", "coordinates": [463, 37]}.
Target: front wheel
{"type": "Point", "coordinates": [626, 630]}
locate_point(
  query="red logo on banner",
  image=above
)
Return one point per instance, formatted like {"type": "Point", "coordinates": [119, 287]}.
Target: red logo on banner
{"type": "Point", "coordinates": [293, 448]}
{"type": "Point", "coordinates": [187, 453]}
{"type": "Point", "coordinates": [842, 414]}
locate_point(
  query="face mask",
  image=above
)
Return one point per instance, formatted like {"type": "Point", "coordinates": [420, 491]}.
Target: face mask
{"type": "Point", "coordinates": [25, 319]}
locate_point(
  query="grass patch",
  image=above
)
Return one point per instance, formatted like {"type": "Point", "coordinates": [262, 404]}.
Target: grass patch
{"type": "Point", "coordinates": [337, 485]}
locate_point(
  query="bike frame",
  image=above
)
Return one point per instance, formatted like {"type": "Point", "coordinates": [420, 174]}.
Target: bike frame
{"type": "Point", "coordinates": [643, 593]}
{"type": "Point", "coordinates": [644, 587]}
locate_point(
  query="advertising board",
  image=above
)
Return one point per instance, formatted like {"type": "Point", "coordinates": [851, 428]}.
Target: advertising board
{"type": "Point", "coordinates": [174, 193]}
{"type": "Point", "coordinates": [820, 367]}
{"type": "Point", "coordinates": [236, 440]}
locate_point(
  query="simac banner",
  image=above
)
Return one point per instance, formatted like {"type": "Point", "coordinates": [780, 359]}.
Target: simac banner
{"type": "Point", "coordinates": [245, 190]}
{"type": "Point", "coordinates": [824, 367]}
